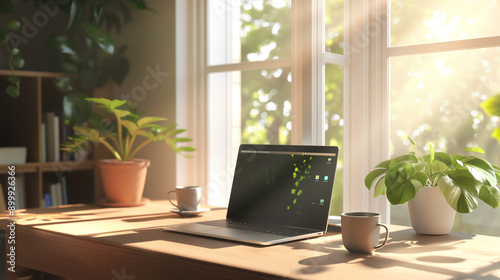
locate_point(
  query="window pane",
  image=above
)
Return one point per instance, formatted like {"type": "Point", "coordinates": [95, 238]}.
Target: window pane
{"type": "Point", "coordinates": [334, 26]}
{"type": "Point", "coordinates": [436, 98]}
{"type": "Point", "coordinates": [250, 107]}
{"type": "Point", "coordinates": [248, 30]}
{"type": "Point", "coordinates": [418, 22]}
{"type": "Point", "coordinates": [266, 107]}
{"type": "Point", "coordinates": [334, 126]}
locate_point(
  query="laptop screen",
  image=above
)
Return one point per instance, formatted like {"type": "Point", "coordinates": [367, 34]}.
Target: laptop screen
{"type": "Point", "coordinates": [283, 185]}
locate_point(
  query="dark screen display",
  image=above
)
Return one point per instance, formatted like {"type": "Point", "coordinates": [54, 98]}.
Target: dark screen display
{"type": "Point", "coordinates": [283, 185]}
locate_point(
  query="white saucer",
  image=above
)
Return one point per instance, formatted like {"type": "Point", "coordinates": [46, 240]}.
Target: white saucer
{"type": "Point", "coordinates": [189, 213]}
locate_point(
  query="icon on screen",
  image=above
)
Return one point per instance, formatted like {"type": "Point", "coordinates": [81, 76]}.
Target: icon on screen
{"type": "Point", "coordinates": [325, 178]}
{"type": "Point", "coordinates": [317, 177]}
{"type": "Point", "coordinates": [329, 160]}
{"type": "Point", "coordinates": [321, 201]}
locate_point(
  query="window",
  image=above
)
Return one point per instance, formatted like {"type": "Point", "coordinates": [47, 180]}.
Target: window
{"type": "Point", "coordinates": [356, 74]}
{"type": "Point", "coordinates": [442, 67]}
{"type": "Point", "coordinates": [255, 88]}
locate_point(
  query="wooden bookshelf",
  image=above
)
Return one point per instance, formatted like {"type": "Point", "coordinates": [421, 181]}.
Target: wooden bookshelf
{"type": "Point", "coordinates": [21, 126]}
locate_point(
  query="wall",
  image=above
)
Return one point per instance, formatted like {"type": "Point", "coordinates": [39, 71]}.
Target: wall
{"type": "Point", "coordinates": [151, 84]}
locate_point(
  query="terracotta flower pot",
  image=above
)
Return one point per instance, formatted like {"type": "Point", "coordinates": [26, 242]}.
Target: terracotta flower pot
{"type": "Point", "coordinates": [123, 181]}
{"type": "Point", "coordinates": [430, 213]}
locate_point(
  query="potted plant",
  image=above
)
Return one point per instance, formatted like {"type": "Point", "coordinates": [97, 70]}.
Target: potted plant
{"type": "Point", "coordinates": [124, 133]}
{"type": "Point", "coordinates": [457, 181]}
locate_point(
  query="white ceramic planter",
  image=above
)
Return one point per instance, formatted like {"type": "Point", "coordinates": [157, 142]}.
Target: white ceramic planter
{"type": "Point", "coordinates": [430, 213]}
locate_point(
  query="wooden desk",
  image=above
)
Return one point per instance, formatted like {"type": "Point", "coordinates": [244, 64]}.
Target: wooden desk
{"type": "Point", "coordinates": [89, 242]}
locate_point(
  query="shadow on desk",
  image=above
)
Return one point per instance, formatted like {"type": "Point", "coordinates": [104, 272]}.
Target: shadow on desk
{"type": "Point", "coordinates": [408, 250]}
{"type": "Point", "coordinates": [142, 236]}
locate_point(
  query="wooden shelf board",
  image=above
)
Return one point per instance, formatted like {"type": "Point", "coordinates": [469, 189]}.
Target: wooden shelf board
{"type": "Point", "coordinates": [67, 165]}
{"type": "Point", "coordinates": [30, 167]}
{"type": "Point", "coordinates": [35, 74]}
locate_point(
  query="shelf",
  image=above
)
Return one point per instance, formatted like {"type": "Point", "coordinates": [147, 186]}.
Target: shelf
{"type": "Point", "coordinates": [33, 74]}
{"type": "Point", "coordinates": [67, 166]}
{"type": "Point", "coordinates": [31, 167]}
{"type": "Point", "coordinates": [21, 119]}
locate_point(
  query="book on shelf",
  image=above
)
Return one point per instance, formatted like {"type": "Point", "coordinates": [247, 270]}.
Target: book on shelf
{"type": "Point", "coordinates": [43, 138]}
{"type": "Point", "coordinates": [47, 200]}
{"type": "Point", "coordinates": [13, 155]}
{"type": "Point", "coordinates": [20, 192]}
{"type": "Point", "coordinates": [55, 193]}
{"type": "Point", "coordinates": [64, 132]}
{"type": "Point", "coordinates": [64, 187]}
{"type": "Point", "coordinates": [52, 136]}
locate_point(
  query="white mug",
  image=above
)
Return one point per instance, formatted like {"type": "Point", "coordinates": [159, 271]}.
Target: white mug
{"type": "Point", "coordinates": [188, 198]}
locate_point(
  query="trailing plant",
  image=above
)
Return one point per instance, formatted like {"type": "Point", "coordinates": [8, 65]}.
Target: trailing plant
{"type": "Point", "coordinates": [462, 179]}
{"type": "Point", "coordinates": [123, 132]}
{"type": "Point", "coordinates": [89, 56]}
{"type": "Point", "coordinates": [13, 53]}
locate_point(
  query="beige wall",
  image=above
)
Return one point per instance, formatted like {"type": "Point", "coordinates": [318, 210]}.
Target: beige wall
{"type": "Point", "coordinates": [151, 84]}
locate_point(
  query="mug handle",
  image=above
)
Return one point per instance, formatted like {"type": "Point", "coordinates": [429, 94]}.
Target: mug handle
{"type": "Point", "coordinates": [386, 236]}
{"type": "Point", "coordinates": [168, 195]}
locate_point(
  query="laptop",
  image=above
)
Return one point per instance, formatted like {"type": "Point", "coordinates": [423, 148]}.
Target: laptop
{"type": "Point", "coordinates": [280, 193]}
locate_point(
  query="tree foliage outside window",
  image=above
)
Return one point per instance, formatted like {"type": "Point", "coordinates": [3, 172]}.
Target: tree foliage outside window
{"type": "Point", "coordinates": [266, 94]}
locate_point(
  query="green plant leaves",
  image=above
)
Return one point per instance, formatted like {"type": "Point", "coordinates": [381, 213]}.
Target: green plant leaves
{"type": "Point", "coordinates": [64, 84]}
{"type": "Point", "coordinates": [373, 175]}
{"type": "Point", "coordinates": [496, 134]}
{"type": "Point", "coordinates": [147, 120]}
{"type": "Point", "coordinates": [14, 24]}
{"type": "Point", "coordinates": [6, 7]}
{"type": "Point", "coordinates": [490, 195]}
{"type": "Point", "coordinates": [123, 143]}
{"type": "Point", "coordinates": [76, 108]}
{"type": "Point", "coordinates": [3, 37]}
{"type": "Point", "coordinates": [13, 91]}
{"type": "Point", "coordinates": [400, 178]}
{"type": "Point", "coordinates": [120, 113]}
{"type": "Point", "coordinates": [130, 126]}
{"type": "Point", "coordinates": [482, 170]}
{"type": "Point", "coordinates": [62, 44]}
{"type": "Point", "coordinates": [101, 38]}
{"type": "Point", "coordinates": [403, 181]}
{"type": "Point", "coordinates": [462, 179]}
{"type": "Point", "coordinates": [459, 190]}
{"type": "Point", "coordinates": [75, 13]}
{"type": "Point", "coordinates": [118, 69]}
{"type": "Point", "coordinates": [138, 4]}
{"type": "Point", "coordinates": [474, 149]}
{"type": "Point", "coordinates": [492, 105]}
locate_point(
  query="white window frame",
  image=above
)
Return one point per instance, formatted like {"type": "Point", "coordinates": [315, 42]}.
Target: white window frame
{"type": "Point", "coordinates": [365, 106]}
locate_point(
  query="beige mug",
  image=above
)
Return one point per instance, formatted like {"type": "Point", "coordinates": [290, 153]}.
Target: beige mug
{"type": "Point", "coordinates": [361, 232]}
{"type": "Point", "coordinates": [188, 198]}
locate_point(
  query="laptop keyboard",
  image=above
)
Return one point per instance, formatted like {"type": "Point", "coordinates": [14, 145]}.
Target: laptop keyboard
{"type": "Point", "coordinates": [272, 229]}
